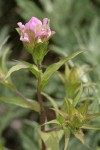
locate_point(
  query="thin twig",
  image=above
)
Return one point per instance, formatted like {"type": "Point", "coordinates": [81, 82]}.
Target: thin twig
{"type": "Point", "coordinates": [24, 98]}
{"type": "Point", "coordinates": [42, 109]}
{"type": "Point", "coordinates": [42, 116]}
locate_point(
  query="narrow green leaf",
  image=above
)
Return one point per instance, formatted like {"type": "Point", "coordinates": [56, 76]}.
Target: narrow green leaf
{"type": "Point", "coordinates": [92, 116]}
{"type": "Point", "coordinates": [61, 76]}
{"type": "Point", "coordinates": [15, 68]}
{"type": "Point", "coordinates": [67, 71]}
{"type": "Point", "coordinates": [80, 136]}
{"type": "Point", "coordinates": [8, 85]}
{"type": "Point", "coordinates": [84, 107]}
{"type": "Point", "coordinates": [67, 106]}
{"type": "Point", "coordinates": [51, 140]}
{"type": "Point", "coordinates": [54, 67]}
{"type": "Point", "coordinates": [23, 65]}
{"type": "Point", "coordinates": [18, 30]}
{"type": "Point", "coordinates": [1, 74]}
{"type": "Point", "coordinates": [54, 104]}
{"type": "Point", "coordinates": [52, 122]}
{"type": "Point", "coordinates": [4, 60]}
{"type": "Point", "coordinates": [4, 40]}
{"type": "Point", "coordinates": [35, 70]}
{"type": "Point", "coordinates": [90, 127]}
{"type": "Point", "coordinates": [67, 136]}
{"type": "Point", "coordinates": [21, 103]}
{"type": "Point", "coordinates": [73, 76]}
{"type": "Point", "coordinates": [60, 133]}
{"type": "Point", "coordinates": [61, 113]}
{"type": "Point", "coordinates": [71, 88]}
{"type": "Point", "coordinates": [77, 98]}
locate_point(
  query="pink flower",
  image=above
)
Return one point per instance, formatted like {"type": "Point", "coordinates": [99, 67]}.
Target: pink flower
{"type": "Point", "coordinates": [35, 31]}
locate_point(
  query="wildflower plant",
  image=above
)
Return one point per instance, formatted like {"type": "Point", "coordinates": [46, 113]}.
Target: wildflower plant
{"type": "Point", "coordinates": [72, 116]}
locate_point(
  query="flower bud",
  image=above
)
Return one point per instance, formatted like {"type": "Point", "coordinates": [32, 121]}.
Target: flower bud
{"type": "Point", "coordinates": [34, 32]}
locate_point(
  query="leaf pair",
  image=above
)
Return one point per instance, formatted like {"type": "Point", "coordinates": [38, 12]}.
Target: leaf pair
{"type": "Point", "coordinates": [47, 74]}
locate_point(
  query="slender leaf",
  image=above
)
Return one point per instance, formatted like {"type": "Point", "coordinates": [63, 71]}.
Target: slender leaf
{"type": "Point", "coordinates": [21, 103]}
{"type": "Point", "coordinates": [80, 136]}
{"type": "Point", "coordinates": [92, 116]}
{"type": "Point", "coordinates": [67, 71]}
{"type": "Point", "coordinates": [54, 104]}
{"type": "Point", "coordinates": [90, 127]}
{"type": "Point", "coordinates": [61, 113]}
{"type": "Point", "coordinates": [8, 85]}
{"type": "Point", "coordinates": [51, 140]}
{"type": "Point", "coordinates": [67, 136]}
{"type": "Point", "coordinates": [60, 133]}
{"type": "Point", "coordinates": [73, 76]}
{"type": "Point", "coordinates": [52, 122]}
{"type": "Point", "coordinates": [23, 65]}
{"type": "Point", "coordinates": [67, 106]}
{"type": "Point", "coordinates": [4, 60]}
{"type": "Point", "coordinates": [77, 98]}
{"type": "Point", "coordinates": [84, 107]}
{"type": "Point", "coordinates": [54, 67]}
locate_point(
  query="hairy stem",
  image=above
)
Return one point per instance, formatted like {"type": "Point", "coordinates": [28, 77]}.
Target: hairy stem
{"type": "Point", "coordinates": [42, 109]}
{"type": "Point", "coordinates": [42, 116]}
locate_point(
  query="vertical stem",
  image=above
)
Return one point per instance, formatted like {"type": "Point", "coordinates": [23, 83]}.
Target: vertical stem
{"type": "Point", "coordinates": [42, 109]}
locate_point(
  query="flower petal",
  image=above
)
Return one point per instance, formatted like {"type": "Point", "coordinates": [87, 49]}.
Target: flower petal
{"type": "Point", "coordinates": [25, 38]}
{"type": "Point", "coordinates": [45, 21]}
{"type": "Point", "coordinates": [22, 27]}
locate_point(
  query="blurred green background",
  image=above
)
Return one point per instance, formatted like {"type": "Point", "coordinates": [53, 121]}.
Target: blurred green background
{"type": "Point", "coordinates": [77, 26]}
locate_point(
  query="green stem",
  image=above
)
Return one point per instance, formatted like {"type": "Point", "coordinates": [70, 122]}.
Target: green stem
{"type": "Point", "coordinates": [42, 109]}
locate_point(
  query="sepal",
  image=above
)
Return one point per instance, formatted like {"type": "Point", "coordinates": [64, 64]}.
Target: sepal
{"type": "Point", "coordinates": [40, 50]}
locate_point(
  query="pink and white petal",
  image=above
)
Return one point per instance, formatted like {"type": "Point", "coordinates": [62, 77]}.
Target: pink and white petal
{"type": "Point", "coordinates": [30, 27]}
{"type": "Point", "coordinates": [25, 38]}
{"type": "Point", "coordinates": [37, 34]}
{"type": "Point", "coordinates": [36, 21]}
{"type": "Point", "coordinates": [51, 34]}
{"type": "Point", "coordinates": [45, 21]}
{"type": "Point", "coordinates": [22, 27]}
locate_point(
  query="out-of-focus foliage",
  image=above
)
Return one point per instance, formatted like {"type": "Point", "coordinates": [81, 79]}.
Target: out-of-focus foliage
{"type": "Point", "coordinates": [77, 27]}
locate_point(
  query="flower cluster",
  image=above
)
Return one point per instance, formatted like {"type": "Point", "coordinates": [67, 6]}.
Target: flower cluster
{"type": "Point", "coordinates": [35, 31]}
